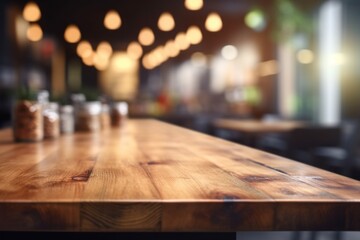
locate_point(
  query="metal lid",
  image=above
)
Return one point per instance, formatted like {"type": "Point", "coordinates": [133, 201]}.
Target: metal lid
{"type": "Point", "coordinates": [67, 109]}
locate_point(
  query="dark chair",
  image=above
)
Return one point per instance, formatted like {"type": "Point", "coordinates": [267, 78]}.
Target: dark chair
{"type": "Point", "coordinates": [343, 156]}
{"type": "Point", "coordinates": [299, 143]}
{"type": "Point", "coordinates": [302, 141]}
{"type": "Point", "coordinates": [275, 143]}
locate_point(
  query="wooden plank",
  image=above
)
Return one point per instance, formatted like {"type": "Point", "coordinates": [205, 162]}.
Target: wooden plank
{"type": "Point", "coordinates": [185, 176]}
{"type": "Point", "coordinates": [48, 171]}
{"type": "Point", "coordinates": [119, 172]}
{"type": "Point", "coordinates": [240, 167]}
{"type": "Point", "coordinates": [340, 186]}
{"type": "Point", "coordinates": [336, 215]}
{"type": "Point", "coordinates": [152, 176]}
{"type": "Point", "coordinates": [28, 216]}
{"type": "Point", "coordinates": [218, 216]}
{"type": "Point", "coordinates": [120, 216]}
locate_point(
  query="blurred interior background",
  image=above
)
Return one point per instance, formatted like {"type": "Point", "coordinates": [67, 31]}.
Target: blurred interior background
{"type": "Point", "coordinates": [228, 58]}
{"type": "Point", "coordinates": [193, 62]}
{"type": "Point", "coordinates": [189, 62]}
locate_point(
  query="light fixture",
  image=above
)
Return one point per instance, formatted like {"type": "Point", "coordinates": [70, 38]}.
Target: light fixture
{"type": "Point", "coordinates": [229, 52]}
{"type": "Point", "coordinates": [181, 42]}
{"type": "Point", "coordinates": [34, 32]}
{"type": "Point", "coordinates": [101, 62]}
{"type": "Point", "coordinates": [255, 19]}
{"type": "Point", "coordinates": [171, 49]}
{"type": "Point", "coordinates": [305, 56]}
{"type": "Point", "coordinates": [198, 59]}
{"type": "Point", "coordinates": [104, 49]}
{"type": "Point", "coordinates": [134, 50]}
{"type": "Point", "coordinates": [121, 62]}
{"type": "Point", "coordinates": [213, 22]}
{"type": "Point", "coordinates": [72, 34]}
{"type": "Point", "coordinates": [166, 22]}
{"type": "Point", "coordinates": [89, 59]}
{"type": "Point", "coordinates": [194, 35]}
{"type": "Point", "coordinates": [31, 12]}
{"type": "Point", "coordinates": [154, 59]}
{"type": "Point", "coordinates": [159, 54]}
{"type": "Point", "coordinates": [146, 37]}
{"type": "Point", "coordinates": [146, 62]}
{"type": "Point", "coordinates": [338, 59]}
{"type": "Point", "coordinates": [83, 48]}
{"type": "Point", "coordinates": [193, 5]}
{"type": "Point", "coordinates": [112, 20]}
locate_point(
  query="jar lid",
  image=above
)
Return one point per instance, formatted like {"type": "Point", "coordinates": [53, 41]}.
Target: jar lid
{"type": "Point", "coordinates": [67, 109]}
{"type": "Point", "coordinates": [78, 98]}
{"type": "Point", "coordinates": [53, 106]}
{"type": "Point", "coordinates": [122, 107]}
{"type": "Point", "coordinates": [43, 96]}
{"type": "Point", "coordinates": [93, 108]}
{"type": "Point", "coordinates": [105, 107]}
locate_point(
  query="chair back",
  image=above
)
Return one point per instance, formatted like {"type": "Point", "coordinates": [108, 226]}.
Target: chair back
{"type": "Point", "coordinates": [309, 137]}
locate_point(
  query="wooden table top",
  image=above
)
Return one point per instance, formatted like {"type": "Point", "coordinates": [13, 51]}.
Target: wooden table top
{"type": "Point", "coordinates": [153, 176]}
{"type": "Point", "coordinates": [258, 126]}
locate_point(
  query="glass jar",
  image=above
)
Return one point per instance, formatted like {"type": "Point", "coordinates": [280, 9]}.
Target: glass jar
{"type": "Point", "coordinates": [43, 97]}
{"type": "Point", "coordinates": [105, 116]}
{"type": "Point", "coordinates": [119, 114]}
{"type": "Point", "coordinates": [51, 120]}
{"type": "Point", "coordinates": [67, 120]}
{"type": "Point", "coordinates": [78, 100]}
{"type": "Point", "coordinates": [88, 117]}
{"type": "Point", "coordinates": [28, 121]}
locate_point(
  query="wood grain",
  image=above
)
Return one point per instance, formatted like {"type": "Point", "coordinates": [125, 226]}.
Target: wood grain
{"type": "Point", "coordinates": [153, 176]}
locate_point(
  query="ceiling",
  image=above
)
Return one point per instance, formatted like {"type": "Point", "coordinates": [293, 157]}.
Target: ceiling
{"type": "Point", "coordinates": [136, 14]}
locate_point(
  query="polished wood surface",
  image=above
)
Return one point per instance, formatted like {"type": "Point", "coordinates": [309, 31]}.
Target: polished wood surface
{"type": "Point", "coordinates": [153, 176]}
{"type": "Point", "coordinates": [258, 126]}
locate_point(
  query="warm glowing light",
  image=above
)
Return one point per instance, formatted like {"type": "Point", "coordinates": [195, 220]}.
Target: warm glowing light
{"type": "Point", "coordinates": [268, 68]}
{"type": "Point", "coordinates": [305, 56]}
{"type": "Point", "coordinates": [101, 62]}
{"type": "Point", "coordinates": [181, 42]}
{"type": "Point", "coordinates": [154, 61]}
{"type": "Point", "coordinates": [112, 20]}
{"type": "Point", "coordinates": [146, 37]}
{"type": "Point", "coordinates": [72, 34]}
{"type": "Point", "coordinates": [122, 62]}
{"type": "Point", "coordinates": [104, 49]}
{"type": "Point", "coordinates": [146, 62]}
{"type": "Point", "coordinates": [171, 49]}
{"type": "Point", "coordinates": [89, 59]}
{"type": "Point", "coordinates": [213, 22]}
{"type": "Point", "coordinates": [338, 59]}
{"type": "Point", "coordinates": [255, 19]}
{"type": "Point", "coordinates": [198, 59]}
{"type": "Point", "coordinates": [194, 35]}
{"type": "Point", "coordinates": [166, 22]}
{"type": "Point", "coordinates": [83, 48]}
{"type": "Point", "coordinates": [159, 54]}
{"type": "Point", "coordinates": [193, 5]}
{"type": "Point", "coordinates": [88, 52]}
{"type": "Point", "coordinates": [134, 50]}
{"type": "Point", "coordinates": [21, 27]}
{"type": "Point", "coordinates": [229, 52]}
{"type": "Point", "coordinates": [34, 32]}
{"type": "Point", "coordinates": [31, 12]}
